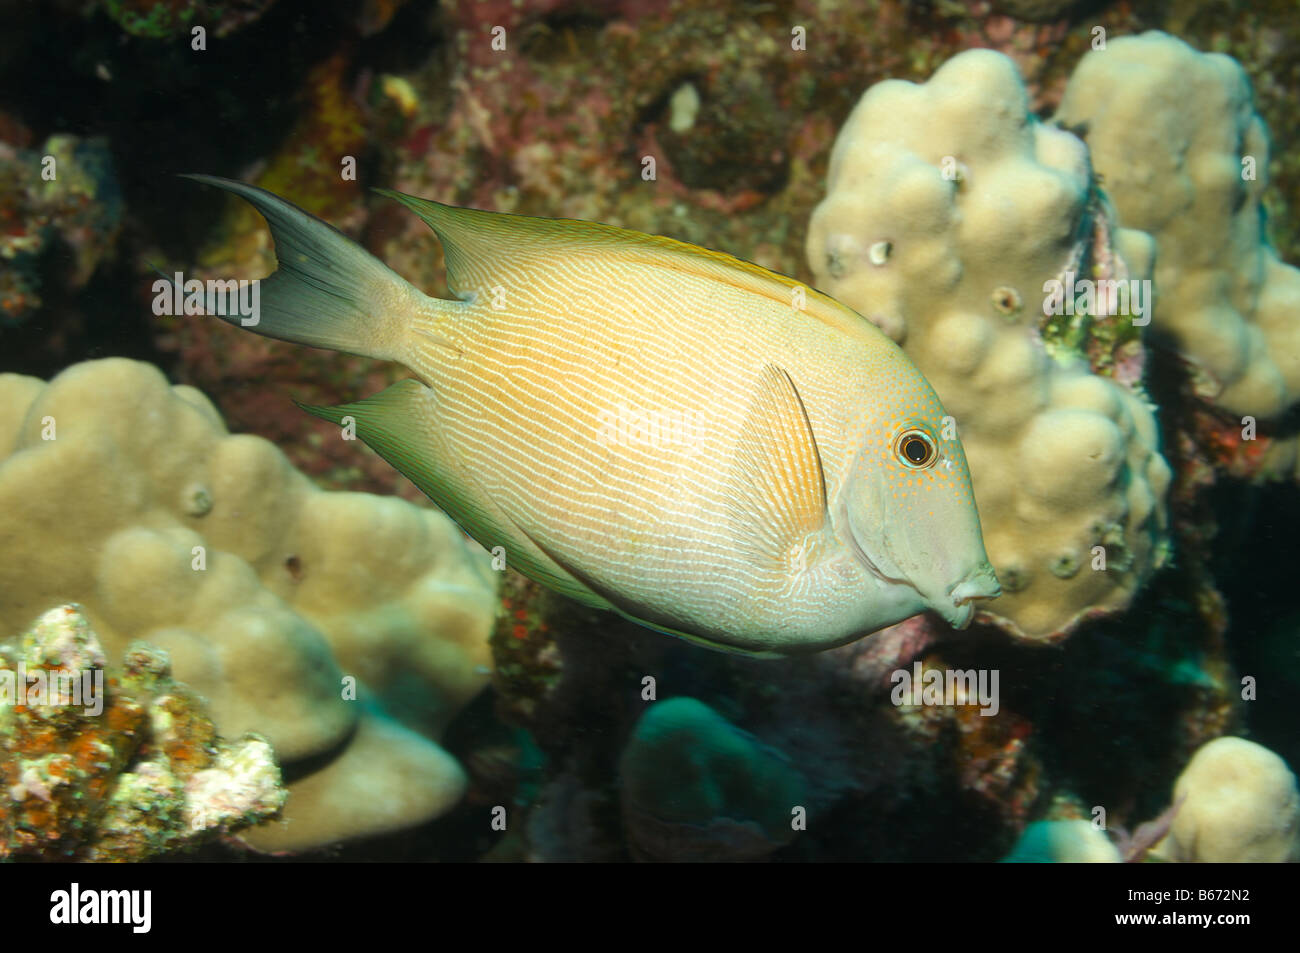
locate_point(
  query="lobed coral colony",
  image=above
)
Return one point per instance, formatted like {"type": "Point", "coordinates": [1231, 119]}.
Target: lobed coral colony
{"type": "Point", "coordinates": [945, 233]}
{"type": "Point", "coordinates": [214, 644]}
{"type": "Point", "coordinates": [346, 629]}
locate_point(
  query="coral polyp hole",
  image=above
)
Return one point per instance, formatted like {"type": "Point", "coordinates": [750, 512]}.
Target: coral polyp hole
{"type": "Point", "coordinates": [835, 264]}
{"type": "Point", "coordinates": [1013, 578]}
{"type": "Point", "coordinates": [196, 500]}
{"type": "Point", "coordinates": [879, 253]}
{"type": "Point", "coordinates": [1064, 565]}
{"type": "Point", "coordinates": [1006, 300]}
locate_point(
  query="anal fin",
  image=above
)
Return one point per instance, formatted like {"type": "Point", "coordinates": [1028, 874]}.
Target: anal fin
{"type": "Point", "coordinates": [401, 425]}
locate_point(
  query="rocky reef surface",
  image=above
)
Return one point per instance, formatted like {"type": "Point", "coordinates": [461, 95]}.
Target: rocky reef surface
{"type": "Point", "coordinates": [123, 767]}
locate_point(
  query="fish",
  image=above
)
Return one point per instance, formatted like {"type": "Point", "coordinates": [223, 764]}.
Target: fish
{"type": "Point", "coordinates": [701, 445]}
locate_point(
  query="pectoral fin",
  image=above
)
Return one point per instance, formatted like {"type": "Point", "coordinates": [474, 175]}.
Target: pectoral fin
{"type": "Point", "coordinates": [777, 490]}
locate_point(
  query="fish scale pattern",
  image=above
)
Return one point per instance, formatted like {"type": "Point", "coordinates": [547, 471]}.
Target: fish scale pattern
{"type": "Point", "coordinates": [599, 400]}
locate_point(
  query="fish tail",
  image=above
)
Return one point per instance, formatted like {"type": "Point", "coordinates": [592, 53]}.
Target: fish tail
{"type": "Point", "coordinates": [327, 290]}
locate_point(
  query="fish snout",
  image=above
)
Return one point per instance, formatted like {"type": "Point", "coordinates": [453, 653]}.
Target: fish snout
{"type": "Point", "coordinates": [980, 583]}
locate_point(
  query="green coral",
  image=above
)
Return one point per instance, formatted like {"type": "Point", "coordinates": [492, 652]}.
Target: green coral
{"type": "Point", "coordinates": [695, 786]}
{"type": "Point", "coordinates": [168, 19]}
{"type": "Point", "coordinates": [159, 19]}
{"type": "Point", "coordinates": [1102, 339]}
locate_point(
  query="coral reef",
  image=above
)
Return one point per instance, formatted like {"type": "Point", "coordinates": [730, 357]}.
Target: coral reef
{"type": "Point", "coordinates": [62, 195]}
{"type": "Point", "coordinates": [1237, 803]}
{"type": "Point", "coordinates": [867, 767]}
{"type": "Point", "coordinates": [167, 19]}
{"type": "Point", "coordinates": [946, 232]}
{"type": "Point", "coordinates": [558, 119]}
{"type": "Point", "coordinates": [1193, 177]}
{"type": "Point", "coordinates": [1187, 177]}
{"type": "Point", "coordinates": [987, 755]}
{"type": "Point", "coordinates": [299, 614]}
{"type": "Point", "coordinates": [121, 768]}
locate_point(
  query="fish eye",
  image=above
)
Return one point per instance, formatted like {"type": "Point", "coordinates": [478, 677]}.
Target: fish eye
{"type": "Point", "coordinates": [916, 449]}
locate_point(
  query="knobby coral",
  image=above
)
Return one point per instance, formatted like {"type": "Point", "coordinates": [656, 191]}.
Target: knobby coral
{"type": "Point", "coordinates": [312, 618]}
{"type": "Point", "coordinates": [975, 236]}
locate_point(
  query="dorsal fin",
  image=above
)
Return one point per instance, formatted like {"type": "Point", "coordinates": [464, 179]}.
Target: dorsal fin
{"type": "Point", "coordinates": [472, 238]}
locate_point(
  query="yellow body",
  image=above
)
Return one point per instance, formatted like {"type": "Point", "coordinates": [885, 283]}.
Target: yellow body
{"type": "Point", "coordinates": [701, 444]}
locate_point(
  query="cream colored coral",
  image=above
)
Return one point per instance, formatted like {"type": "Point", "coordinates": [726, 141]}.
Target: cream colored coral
{"type": "Point", "coordinates": [1239, 804]}
{"type": "Point", "coordinates": [948, 208]}
{"type": "Point", "coordinates": [127, 495]}
{"type": "Point", "coordinates": [1184, 156]}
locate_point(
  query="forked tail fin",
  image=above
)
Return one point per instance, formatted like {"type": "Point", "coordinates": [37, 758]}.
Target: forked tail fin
{"type": "Point", "coordinates": [328, 291]}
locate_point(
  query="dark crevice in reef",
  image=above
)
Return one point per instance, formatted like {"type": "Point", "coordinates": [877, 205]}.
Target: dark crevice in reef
{"type": "Point", "coordinates": [164, 109]}
{"type": "Point", "coordinates": [1256, 562]}
{"type": "Point", "coordinates": [99, 321]}
{"type": "Point", "coordinates": [558, 35]}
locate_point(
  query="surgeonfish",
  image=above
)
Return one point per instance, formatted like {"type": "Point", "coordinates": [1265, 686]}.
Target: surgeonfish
{"type": "Point", "coordinates": [703, 446]}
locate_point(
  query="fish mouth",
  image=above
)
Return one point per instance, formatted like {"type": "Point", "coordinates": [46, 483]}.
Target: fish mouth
{"type": "Point", "coordinates": [957, 606]}
{"type": "Point", "coordinates": [980, 583]}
